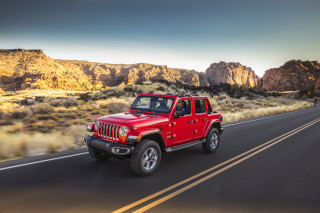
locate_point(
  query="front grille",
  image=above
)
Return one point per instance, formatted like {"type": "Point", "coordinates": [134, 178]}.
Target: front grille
{"type": "Point", "coordinates": [108, 131]}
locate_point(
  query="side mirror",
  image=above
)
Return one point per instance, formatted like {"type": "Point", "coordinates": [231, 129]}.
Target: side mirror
{"type": "Point", "coordinates": [178, 114]}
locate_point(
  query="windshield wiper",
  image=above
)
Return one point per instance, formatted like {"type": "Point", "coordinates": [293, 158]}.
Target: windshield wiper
{"type": "Point", "coordinates": [154, 112]}
{"type": "Point", "coordinates": [138, 109]}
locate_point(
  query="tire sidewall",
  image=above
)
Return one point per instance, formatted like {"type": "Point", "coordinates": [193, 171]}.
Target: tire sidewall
{"type": "Point", "coordinates": [137, 157]}
{"type": "Point", "coordinates": [207, 147]}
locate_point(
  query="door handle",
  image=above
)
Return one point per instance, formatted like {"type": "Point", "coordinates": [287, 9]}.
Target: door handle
{"type": "Point", "coordinates": [204, 119]}
{"type": "Point", "coordinates": [191, 121]}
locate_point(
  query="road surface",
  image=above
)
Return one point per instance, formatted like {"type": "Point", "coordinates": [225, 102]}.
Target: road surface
{"type": "Point", "coordinates": [270, 164]}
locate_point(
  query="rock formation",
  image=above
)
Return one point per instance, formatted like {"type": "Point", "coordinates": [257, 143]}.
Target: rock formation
{"type": "Point", "coordinates": [32, 69]}
{"type": "Point", "coordinates": [232, 73]}
{"type": "Point", "coordinates": [293, 75]}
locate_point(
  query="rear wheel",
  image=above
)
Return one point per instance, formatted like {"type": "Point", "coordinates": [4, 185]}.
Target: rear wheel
{"type": "Point", "coordinates": [97, 155]}
{"type": "Point", "coordinates": [212, 141]}
{"type": "Point", "coordinates": [146, 158]}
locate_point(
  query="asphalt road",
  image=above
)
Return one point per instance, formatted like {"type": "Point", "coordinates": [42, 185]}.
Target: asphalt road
{"type": "Point", "coordinates": [263, 165]}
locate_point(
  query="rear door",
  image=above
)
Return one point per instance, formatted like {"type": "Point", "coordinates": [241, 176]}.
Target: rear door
{"type": "Point", "coordinates": [201, 117]}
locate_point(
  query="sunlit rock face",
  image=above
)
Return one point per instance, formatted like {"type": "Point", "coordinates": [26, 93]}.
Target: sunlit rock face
{"type": "Point", "coordinates": [232, 73]}
{"type": "Point", "coordinates": [32, 69]}
{"type": "Point", "coordinates": [293, 75]}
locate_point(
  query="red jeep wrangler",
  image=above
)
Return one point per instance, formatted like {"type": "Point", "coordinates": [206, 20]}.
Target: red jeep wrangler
{"type": "Point", "coordinates": [154, 123]}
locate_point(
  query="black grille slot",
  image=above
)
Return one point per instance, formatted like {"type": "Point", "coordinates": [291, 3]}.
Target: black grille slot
{"type": "Point", "coordinates": [109, 131]}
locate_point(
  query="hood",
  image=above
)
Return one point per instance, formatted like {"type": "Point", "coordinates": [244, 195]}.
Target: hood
{"type": "Point", "coordinates": [137, 120]}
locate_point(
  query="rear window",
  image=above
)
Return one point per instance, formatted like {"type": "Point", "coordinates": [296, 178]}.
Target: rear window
{"type": "Point", "coordinates": [200, 106]}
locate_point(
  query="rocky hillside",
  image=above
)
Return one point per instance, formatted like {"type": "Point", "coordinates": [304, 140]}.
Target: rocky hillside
{"type": "Point", "coordinates": [293, 75]}
{"type": "Point", "coordinates": [232, 73]}
{"type": "Point", "coordinates": [32, 69]}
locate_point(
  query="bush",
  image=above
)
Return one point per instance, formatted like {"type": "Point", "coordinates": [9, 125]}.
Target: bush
{"type": "Point", "coordinates": [117, 108]}
{"type": "Point", "coordinates": [43, 108]}
{"type": "Point", "coordinates": [44, 127]}
{"type": "Point", "coordinates": [55, 103]}
{"type": "Point", "coordinates": [6, 122]}
{"type": "Point", "coordinates": [237, 91]}
{"type": "Point", "coordinates": [26, 113]}
{"type": "Point", "coordinates": [70, 101]}
{"type": "Point", "coordinates": [51, 116]}
{"type": "Point", "coordinates": [53, 147]}
{"type": "Point", "coordinates": [71, 115]}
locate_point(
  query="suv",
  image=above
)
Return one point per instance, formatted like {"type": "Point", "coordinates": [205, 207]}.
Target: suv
{"type": "Point", "coordinates": [155, 123]}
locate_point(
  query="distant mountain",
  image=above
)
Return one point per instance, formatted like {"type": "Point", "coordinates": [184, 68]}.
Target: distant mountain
{"type": "Point", "coordinates": [232, 73]}
{"type": "Point", "coordinates": [31, 69]}
{"type": "Point", "coordinates": [293, 75]}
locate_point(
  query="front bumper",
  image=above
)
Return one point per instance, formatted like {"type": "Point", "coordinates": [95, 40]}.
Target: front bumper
{"type": "Point", "coordinates": [111, 147]}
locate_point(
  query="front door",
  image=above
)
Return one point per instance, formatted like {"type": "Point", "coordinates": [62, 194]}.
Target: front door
{"type": "Point", "coordinates": [183, 126]}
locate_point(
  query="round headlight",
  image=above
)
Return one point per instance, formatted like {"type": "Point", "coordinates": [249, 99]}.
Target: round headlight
{"type": "Point", "coordinates": [123, 131]}
{"type": "Point", "coordinates": [96, 126]}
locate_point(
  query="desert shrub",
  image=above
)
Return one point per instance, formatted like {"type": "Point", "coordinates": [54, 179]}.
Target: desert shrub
{"type": "Point", "coordinates": [51, 116]}
{"type": "Point", "coordinates": [44, 127]}
{"type": "Point", "coordinates": [22, 149]}
{"type": "Point", "coordinates": [80, 122]}
{"type": "Point", "coordinates": [96, 112]}
{"type": "Point", "coordinates": [67, 102]}
{"type": "Point", "coordinates": [8, 107]}
{"type": "Point", "coordinates": [53, 146]}
{"type": "Point", "coordinates": [16, 127]}
{"type": "Point", "coordinates": [71, 115]}
{"type": "Point", "coordinates": [32, 120]}
{"type": "Point", "coordinates": [76, 132]}
{"type": "Point", "coordinates": [70, 101]}
{"type": "Point", "coordinates": [55, 103]}
{"type": "Point", "coordinates": [15, 145]}
{"type": "Point", "coordinates": [6, 122]}
{"type": "Point", "coordinates": [308, 92]}
{"type": "Point", "coordinates": [237, 91]}
{"type": "Point", "coordinates": [117, 108]}
{"type": "Point", "coordinates": [24, 114]}
{"type": "Point", "coordinates": [43, 108]}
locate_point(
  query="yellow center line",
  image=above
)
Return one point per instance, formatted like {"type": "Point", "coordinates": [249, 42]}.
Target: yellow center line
{"type": "Point", "coordinates": [286, 135]}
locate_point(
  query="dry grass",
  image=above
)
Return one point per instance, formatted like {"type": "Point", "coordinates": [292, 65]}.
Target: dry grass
{"type": "Point", "coordinates": [260, 112]}
{"type": "Point", "coordinates": [30, 144]}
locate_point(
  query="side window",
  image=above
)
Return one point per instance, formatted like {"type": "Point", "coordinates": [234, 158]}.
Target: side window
{"type": "Point", "coordinates": [185, 105]}
{"type": "Point", "coordinates": [209, 107]}
{"type": "Point", "coordinates": [200, 105]}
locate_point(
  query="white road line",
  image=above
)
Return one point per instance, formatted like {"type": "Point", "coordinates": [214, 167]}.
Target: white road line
{"type": "Point", "coordinates": [272, 116]}
{"type": "Point", "coordinates": [42, 161]}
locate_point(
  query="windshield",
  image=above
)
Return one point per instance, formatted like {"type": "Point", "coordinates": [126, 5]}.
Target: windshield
{"type": "Point", "coordinates": [153, 104]}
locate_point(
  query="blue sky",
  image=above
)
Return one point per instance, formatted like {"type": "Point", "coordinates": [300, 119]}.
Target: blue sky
{"type": "Point", "coordinates": [189, 34]}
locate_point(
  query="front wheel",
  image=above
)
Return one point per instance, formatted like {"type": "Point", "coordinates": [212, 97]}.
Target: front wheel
{"type": "Point", "coordinates": [212, 141]}
{"type": "Point", "coordinates": [146, 158]}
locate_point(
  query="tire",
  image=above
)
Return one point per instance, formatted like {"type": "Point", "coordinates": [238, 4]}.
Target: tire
{"type": "Point", "coordinates": [96, 155]}
{"type": "Point", "coordinates": [146, 158]}
{"type": "Point", "coordinates": [212, 141]}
